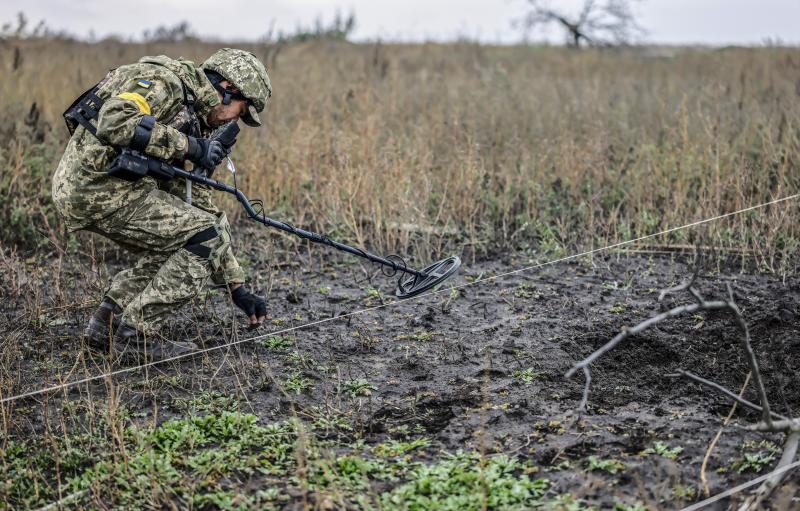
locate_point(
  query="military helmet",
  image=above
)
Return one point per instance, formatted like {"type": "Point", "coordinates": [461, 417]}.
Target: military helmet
{"type": "Point", "coordinates": [245, 72]}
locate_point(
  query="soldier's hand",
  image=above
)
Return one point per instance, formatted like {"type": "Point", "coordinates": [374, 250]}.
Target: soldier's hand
{"type": "Point", "coordinates": [253, 305]}
{"type": "Point", "coordinates": [205, 153]}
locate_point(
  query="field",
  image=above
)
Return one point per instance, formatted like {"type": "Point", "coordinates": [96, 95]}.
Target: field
{"type": "Point", "coordinates": [510, 157]}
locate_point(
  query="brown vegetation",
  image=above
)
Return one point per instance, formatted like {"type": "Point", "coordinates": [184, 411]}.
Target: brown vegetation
{"type": "Point", "coordinates": [504, 146]}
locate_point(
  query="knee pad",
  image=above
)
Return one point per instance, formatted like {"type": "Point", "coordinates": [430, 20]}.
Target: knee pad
{"type": "Point", "coordinates": [210, 244]}
{"type": "Point", "coordinates": [222, 222]}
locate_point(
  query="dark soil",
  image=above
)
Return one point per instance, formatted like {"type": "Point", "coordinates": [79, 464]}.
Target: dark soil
{"type": "Point", "coordinates": [453, 366]}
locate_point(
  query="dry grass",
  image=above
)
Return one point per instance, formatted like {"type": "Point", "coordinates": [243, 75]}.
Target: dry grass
{"type": "Point", "coordinates": [503, 146]}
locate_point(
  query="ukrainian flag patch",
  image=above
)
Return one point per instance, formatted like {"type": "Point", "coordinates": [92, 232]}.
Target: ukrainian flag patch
{"type": "Point", "coordinates": [144, 84]}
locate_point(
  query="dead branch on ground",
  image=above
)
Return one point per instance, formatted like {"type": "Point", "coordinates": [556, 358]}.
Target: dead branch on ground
{"type": "Point", "coordinates": [771, 422]}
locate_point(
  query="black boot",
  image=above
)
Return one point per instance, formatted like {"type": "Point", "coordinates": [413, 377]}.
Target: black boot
{"type": "Point", "coordinates": [131, 345]}
{"type": "Point", "coordinates": [103, 323]}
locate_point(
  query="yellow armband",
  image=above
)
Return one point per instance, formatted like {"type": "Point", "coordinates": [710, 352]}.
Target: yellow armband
{"type": "Point", "coordinates": [138, 99]}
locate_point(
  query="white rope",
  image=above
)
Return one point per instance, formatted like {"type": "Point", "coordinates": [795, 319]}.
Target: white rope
{"type": "Point", "coordinates": [737, 489]}
{"type": "Point", "coordinates": [369, 309]}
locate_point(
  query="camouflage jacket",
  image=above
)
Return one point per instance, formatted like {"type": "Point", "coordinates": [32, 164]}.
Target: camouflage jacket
{"type": "Point", "coordinates": [82, 190]}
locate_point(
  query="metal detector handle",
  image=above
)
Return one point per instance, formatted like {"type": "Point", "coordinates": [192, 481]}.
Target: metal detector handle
{"type": "Point", "coordinates": [226, 134]}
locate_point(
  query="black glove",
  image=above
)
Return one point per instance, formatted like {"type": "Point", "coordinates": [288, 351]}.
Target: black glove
{"type": "Point", "coordinates": [205, 153]}
{"type": "Point", "coordinates": [251, 304]}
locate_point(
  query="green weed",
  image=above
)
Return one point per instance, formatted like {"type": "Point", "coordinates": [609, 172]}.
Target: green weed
{"type": "Point", "coordinates": [527, 376]}
{"type": "Point", "coordinates": [684, 492]}
{"type": "Point", "coordinates": [462, 482]}
{"type": "Point", "coordinates": [395, 448]}
{"type": "Point", "coordinates": [662, 449]}
{"type": "Point", "coordinates": [756, 456]}
{"type": "Point", "coordinates": [182, 460]}
{"type": "Point", "coordinates": [611, 466]}
{"type": "Point", "coordinates": [297, 383]}
{"type": "Point", "coordinates": [636, 506]}
{"type": "Point", "coordinates": [278, 342]}
{"type": "Point", "coordinates": [301, 359]}
{"type": "Point", "coordinates": [359, 387]}
{"type": "Point", "coordinates": [371, 292]}
{"type": "Point", "coordinates": [207, 402]}
{"type": "Point", "coordinates": [617, 308]}
{"type": "Point", "coordinates": [417, 336]}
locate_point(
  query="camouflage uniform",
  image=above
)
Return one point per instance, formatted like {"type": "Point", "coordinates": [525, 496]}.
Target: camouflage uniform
{"type": "Point", "coordinates": [146, 216]}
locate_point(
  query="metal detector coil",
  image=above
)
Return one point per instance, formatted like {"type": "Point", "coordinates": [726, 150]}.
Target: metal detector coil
{"type": "Point", "coordinates": [412, 284]}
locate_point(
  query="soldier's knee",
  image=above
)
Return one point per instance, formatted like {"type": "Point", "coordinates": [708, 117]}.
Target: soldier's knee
{"type": "Point", "coordinates": [222, 221]}
{"type": "Point", "coordinates": [210, 244]}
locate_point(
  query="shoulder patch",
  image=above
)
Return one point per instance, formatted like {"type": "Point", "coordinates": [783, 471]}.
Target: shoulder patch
{"type": "Point", "coordinates": [144, 83]}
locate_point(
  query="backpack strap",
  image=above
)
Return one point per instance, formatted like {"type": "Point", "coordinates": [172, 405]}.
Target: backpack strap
{"type": "Point", "coordinates": [87, 107]}
{"type": "Point", "coordinates": [84, 110]}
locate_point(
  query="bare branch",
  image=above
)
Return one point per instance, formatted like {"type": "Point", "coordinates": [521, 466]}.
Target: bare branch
{"type": "Point", "coordinates": [768, 422]}
{"type": "Point", "coordinates": [703, 479]}
{"type": "Point", "coordinates": [789, 425]}
{"type": "Point", "coordinates": [751, 356]}
{"type": "Point", "coordinates": [644, 325]}
{"type": "Point", "coordinates": [696, 294]}
{"type": "Point", "coordinates": [701, 304]}
{"type": "Point", "coordinates": [672, 290]}
{"type": "Point", "coordinates": [588, 375]}
{"type": "Point", "coordinates": [723, 390]}
{"type": "Point", "coordinates": [586, 11]}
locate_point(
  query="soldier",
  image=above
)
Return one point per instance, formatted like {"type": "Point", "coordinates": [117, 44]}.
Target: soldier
{"type": "Point", "coordinates": [162, 107]}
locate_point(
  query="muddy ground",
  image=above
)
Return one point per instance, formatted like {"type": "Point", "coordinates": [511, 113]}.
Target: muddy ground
{"type": "Point", "coordinates": [475, 366]}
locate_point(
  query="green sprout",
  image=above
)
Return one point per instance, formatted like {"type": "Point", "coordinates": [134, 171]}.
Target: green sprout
{"type": "Point", "coordinates": [359, 387]}
{"type": "Point", "coordinates": [663, 450]}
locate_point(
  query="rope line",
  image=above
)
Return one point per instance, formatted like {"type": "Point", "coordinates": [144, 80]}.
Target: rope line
{"type": "Point", "coordinates": [737, 489]}
{"type": "Point", "coordinates": [118, 372]}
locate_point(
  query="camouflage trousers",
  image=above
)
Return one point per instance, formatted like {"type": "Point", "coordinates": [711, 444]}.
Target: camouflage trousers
{"type": "Point", "coordinates": [166, 276]}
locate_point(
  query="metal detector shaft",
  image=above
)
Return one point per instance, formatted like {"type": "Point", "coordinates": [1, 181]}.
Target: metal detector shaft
{"type": "Point", "coordinates": [302, 233]}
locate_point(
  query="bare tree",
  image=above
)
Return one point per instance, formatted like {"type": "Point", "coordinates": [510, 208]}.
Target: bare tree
{"type": "Point", "coordinates": [599, 23]}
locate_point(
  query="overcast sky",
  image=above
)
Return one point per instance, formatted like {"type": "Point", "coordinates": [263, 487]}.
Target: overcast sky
{"type": "Point", "coordinates": [715, 22]}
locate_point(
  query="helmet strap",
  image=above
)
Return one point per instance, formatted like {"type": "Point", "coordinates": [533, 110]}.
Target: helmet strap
{"type": "Point", "coordinates": [227, 94]}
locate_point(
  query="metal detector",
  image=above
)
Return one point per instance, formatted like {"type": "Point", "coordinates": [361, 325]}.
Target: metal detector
{"type": "Point", "coordinates": [411, 283]}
